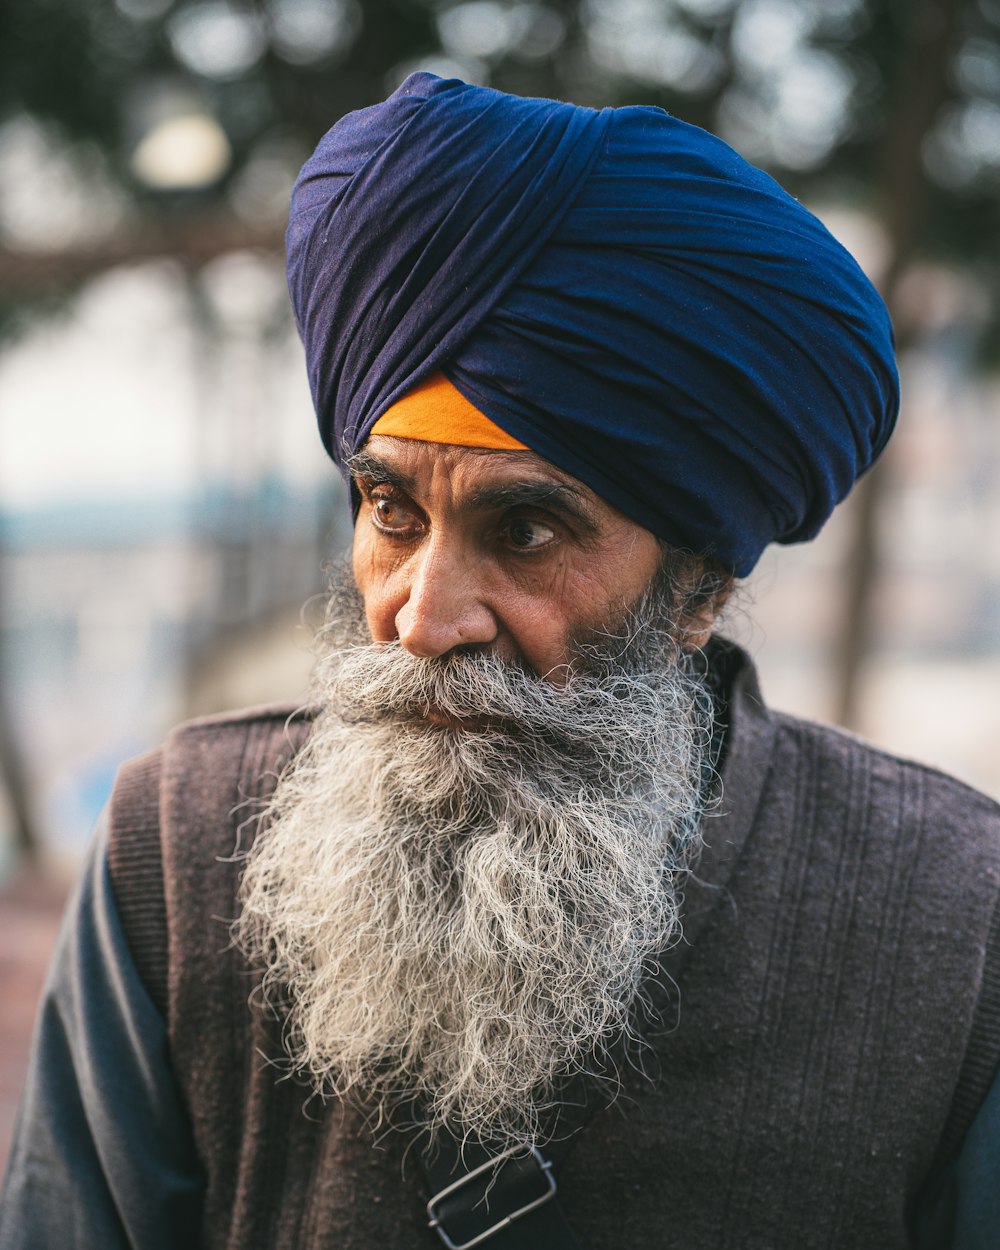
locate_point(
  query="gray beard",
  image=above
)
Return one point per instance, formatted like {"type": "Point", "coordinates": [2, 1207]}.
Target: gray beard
{"type": "Point", "coordinates": [466, 916]}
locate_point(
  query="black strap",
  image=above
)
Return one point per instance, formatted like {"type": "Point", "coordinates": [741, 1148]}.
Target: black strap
{"type": "Point", "coordinates": [501, 1200]}
{"type": "Point", "coordinates": [478, 1189]}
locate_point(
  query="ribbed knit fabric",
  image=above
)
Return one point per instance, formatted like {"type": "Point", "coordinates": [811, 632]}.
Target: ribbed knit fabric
{"type": "Point", "coordinates": [137, 873]}
{"type": "Point", "coordinates": [837, 980]}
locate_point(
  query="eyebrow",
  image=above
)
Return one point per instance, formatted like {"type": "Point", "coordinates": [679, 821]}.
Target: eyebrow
{"type": "Point", "coordinates": [559, 496]}
{"type": "Point", "coordinates": [375, 469]}
{"type": "Point", "coordinates": [527, 493]}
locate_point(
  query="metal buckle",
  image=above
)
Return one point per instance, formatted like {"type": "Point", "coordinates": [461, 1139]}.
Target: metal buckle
{"type": "Point", "coordinates": [544, 1167]}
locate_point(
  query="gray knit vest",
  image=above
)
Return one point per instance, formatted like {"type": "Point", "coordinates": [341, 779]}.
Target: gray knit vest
{"type": "Point", "coordinates": [831, 1020]}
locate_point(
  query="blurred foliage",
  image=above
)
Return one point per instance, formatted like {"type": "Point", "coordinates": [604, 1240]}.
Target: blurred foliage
{"type": "Point", "coordinates": [139, 128]}
{"type": "Point", "coordinates": [811, 89]}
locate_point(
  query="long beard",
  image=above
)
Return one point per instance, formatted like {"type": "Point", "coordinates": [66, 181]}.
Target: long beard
{"type": "Point", "coordinates": [467, 915]}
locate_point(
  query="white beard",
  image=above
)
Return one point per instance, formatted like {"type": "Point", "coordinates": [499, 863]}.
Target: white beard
{"type": "Point", "coordinates": [466, 915]}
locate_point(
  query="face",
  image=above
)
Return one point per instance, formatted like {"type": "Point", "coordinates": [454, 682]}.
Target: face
{"type": "Point", "coordinates": [466, 915]}
{"type": "Point", "coordinates": [460, 547]}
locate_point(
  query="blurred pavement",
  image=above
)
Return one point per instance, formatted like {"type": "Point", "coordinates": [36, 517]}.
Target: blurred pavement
{"type": "Point", "coordinates": [30, 909]}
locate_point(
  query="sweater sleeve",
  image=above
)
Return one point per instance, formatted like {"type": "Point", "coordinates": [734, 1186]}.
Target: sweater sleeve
{"type": "Point", "coordinates": [103, 1157]}
{"type": "Point", "coordinates": [977, 1179]}
{"type": "Point", "coordinates": [963, 1211]}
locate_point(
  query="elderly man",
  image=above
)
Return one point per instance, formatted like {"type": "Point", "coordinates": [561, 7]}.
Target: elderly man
{"type": "Point", "coordinates": [550, 933]}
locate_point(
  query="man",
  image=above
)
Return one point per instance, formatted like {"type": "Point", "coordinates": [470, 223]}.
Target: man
{"type": "Point", "coordinates": [579, 368]}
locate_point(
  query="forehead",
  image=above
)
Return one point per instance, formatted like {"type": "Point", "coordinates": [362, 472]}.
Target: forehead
{"type": "Point", "coordinates": [470, 475]}
{"type": "Point", "coordinates": [420, 457]}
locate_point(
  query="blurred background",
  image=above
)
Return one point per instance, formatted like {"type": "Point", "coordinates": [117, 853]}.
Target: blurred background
{"type": "Point", "coordinates": [165, 507]}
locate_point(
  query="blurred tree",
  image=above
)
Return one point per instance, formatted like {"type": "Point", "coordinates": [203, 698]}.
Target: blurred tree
{"type": "Point", "coordinates": [131, 128]}
{"type": "Point", "coordinates": [14, 781]}
{"type": "Point", "coordinates": [926, 47]}
{"type": "Point", "coordinates": [191, 116]}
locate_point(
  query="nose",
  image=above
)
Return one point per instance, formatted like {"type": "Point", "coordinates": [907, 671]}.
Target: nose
{"type": "Point", "coordinates": [446, 605]}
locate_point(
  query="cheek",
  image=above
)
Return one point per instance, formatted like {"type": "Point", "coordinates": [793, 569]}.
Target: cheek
{"type": "Point", "coordinates": [372, 586]}
{"type": "Point", "coordinates": [540, 631]}
{"type": "Point", "coordinates": [598, 593]}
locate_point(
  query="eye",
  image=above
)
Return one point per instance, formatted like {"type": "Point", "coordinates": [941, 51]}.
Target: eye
{"type": "Point", "coordinates": [527, 535]}
{"type": "Point", "coordinates": [391, 514]}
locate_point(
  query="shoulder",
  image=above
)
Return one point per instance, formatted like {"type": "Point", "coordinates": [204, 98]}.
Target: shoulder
{"type": "Point", "coordinates": [914, 847]}
{"type": "Point", "coordinates": [217, 772]}
{"type": "Point", "coordinates": [891, 788]}
{"type": "Point", "coordinates": [180, 817]}
{"type": "Point", "coordinates": [263, 714]}
{"type": "Point", "coordinates": [195, 786]}
{"type": "Point", "coordinates": [828, 772]}
{"type": "Point", "coordinates": [216, 738]}
{"type": "Point", "coordinates": [280, 723]}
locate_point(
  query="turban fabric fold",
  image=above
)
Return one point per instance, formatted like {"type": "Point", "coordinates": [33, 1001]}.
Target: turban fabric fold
{"type": "Point", "coordinates": [616, 289]}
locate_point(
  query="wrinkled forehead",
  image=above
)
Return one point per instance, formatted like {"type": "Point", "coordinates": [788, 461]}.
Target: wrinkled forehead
{"type": "Point", "coordinates": [436, 442]}
{"type": "Point", "coordinates": [435, 437]}
{"type": "Point", "coordinates": [477, 477]}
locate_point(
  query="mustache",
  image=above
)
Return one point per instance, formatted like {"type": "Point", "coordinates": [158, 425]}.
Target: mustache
{"type": "Point", "coordinates": [625, 677]}
{"type": "Point", "coordinates": [382, 681]}
{"type": "Point", "coordinates": [511, 734]}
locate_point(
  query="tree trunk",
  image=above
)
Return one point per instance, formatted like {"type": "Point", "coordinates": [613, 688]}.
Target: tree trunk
{"type": "Point", "coordinates": [13, 773]}
{"type": "Point", "coordinates": [928, 43]}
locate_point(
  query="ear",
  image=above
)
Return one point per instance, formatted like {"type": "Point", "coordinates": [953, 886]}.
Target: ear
{"type": "Point", "coordinates": [703, 607]}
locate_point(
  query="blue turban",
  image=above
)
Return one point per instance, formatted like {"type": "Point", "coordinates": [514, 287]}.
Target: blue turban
{"type": "Point", "coordinates": [618, 290]}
